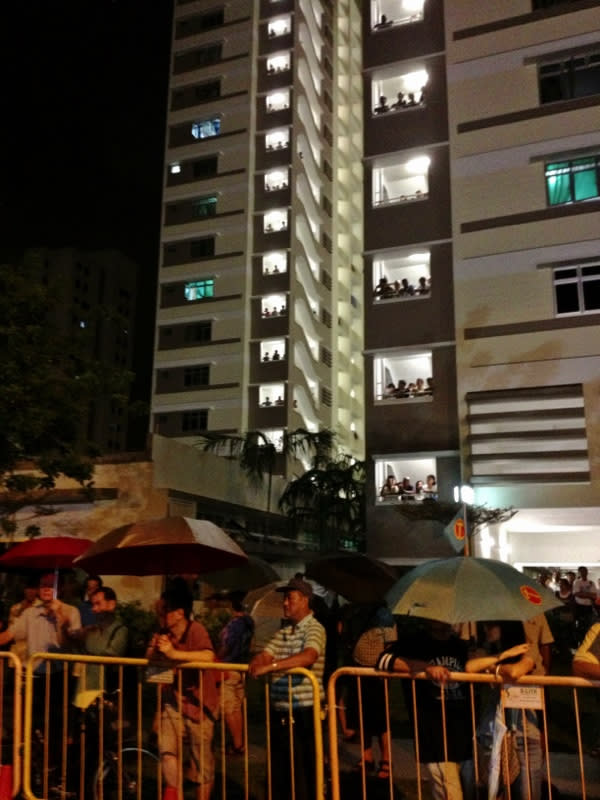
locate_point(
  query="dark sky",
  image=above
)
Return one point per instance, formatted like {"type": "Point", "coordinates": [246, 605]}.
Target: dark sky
{"type": "Point", "coordinates": [82, 135]}
{"type": "Point", "coordinates": [85, 85]}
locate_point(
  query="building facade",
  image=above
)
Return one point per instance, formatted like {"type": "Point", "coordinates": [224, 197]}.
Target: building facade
{"type": "Point", "coordinates": [524, 102]}
{"type": "Point", "coordinates": [259, 320]}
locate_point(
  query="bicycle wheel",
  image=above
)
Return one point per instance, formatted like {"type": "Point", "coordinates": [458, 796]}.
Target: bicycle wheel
{"type": "Point", "coordinates": [139, 776]}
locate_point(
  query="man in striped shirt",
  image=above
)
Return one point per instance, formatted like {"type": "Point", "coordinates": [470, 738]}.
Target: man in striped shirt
{"type": "Point", "coordinates": [300, 643]}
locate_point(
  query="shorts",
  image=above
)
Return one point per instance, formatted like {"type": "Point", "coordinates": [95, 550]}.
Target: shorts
{"type": "Point", "coordinates": [232, 693]}
{"type": "Point", "coordinates": [196, 738]}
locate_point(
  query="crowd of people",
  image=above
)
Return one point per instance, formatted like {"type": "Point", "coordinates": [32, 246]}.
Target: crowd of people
{"type": "Point", "coordinates": [402, 390]}
{"type": "Point", "coordinates": [319, 638]}
{"type": "Point", "coordinates": [403, 100]}
{"type": "Point", "coordinates": [406, 490]}
{"type": "Point", "coordinates": [402, 288]}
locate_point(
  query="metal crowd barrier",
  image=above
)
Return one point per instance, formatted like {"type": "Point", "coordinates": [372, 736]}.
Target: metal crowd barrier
{"type": "Point", "coordinates": [10, 724]}
{"type": "Point", "coordinates": [564, 711]}
{"type": "Point", "coordinates": [110, 751]}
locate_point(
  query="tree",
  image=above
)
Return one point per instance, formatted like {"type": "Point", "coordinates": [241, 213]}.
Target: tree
{"type": "Point", "coordinates": [49, 380]}
{"type": "Point", "coordinates": [329, 500]}
{"type": "Point", "coordinates": [258, 454]}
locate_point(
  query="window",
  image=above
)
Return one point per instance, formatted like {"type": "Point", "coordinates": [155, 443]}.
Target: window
{"type": "Point", "coordinates": [405, 479]}
{"type": "Point", "coordinates": [401, 181]}
{"type": "Point", "coordinates": [278, 101]}
{"type": "Point", "coordinates": [204, 207]}
{"type": "Point", "coordinates": [273, 305]}
{"type": "Point", "coordinates": [572, 181]}
{"type": "Point", "coordinates": [279, 63]}
{"type": "Point", "coordinates": [271, 395]}
{"type": "Point", "coordinates": [402, 274]}
{"type": "Point", "coordinates": [205, 167]}
{"type": "Point", "coordinates": [577, 289]}
{"type": "Point", "coordinates": [276, 179]}
{"type": "Point", "coordinates": [385, 13]}
{"type": "Point", "coordinates": [175, 168]}
{"type": "Point", "coordinates": [272, 350]}
{"type": "Point", "coordinates": [277, 139]}
{"type": "Point", "coordinates": [199, 290]}
{"type": "Point", "coordinates": [211, 54]}
{"type": "Point", "coordinates": [274, 221]}
{"type": "Point", "coordinates": [575, 76]}
{"type": "Point", "coordinates": [398, 91]}
{"type": "Point", "coordinates": [199, 332]}
{"type": "Point", "coordinates": [196, 376]}
{"type": "Point", "coordinates": [206, 128]}
{"type": "Point", "coordinates": [279, 27]}
{"type": "Point", "coordinates": [404, 377]}
{"type": "Point", "coordinates": [274, 262]}
{"type": "Point", "coordinates": [203, 248]}
{"type": "Point", "coordinates": [208, 91]}
{"type": "Point", "coordinates": [194, 420]}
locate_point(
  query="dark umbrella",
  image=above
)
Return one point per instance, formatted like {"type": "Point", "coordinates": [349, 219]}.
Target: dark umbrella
{"type": "Point", "coordinates": [252, 575]}
{"type": "Point", "coordinates": [166, 546]}
{"type": "Point", "coordinates": [357, 577]}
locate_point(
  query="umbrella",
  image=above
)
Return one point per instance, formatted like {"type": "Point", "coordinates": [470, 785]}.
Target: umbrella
{"type": "Point", "coordinates": [164, 546]}
{"type": "Point", "coordinates": [464, 589]}
{"type": "Point", "coordinates": [356, 577]}
{"type": "Point", "coordinates": [266, 609]}
{"type": "Point", "coordinates": [45, 552]}
{"type": "Point", "coordinates": [251, 575]}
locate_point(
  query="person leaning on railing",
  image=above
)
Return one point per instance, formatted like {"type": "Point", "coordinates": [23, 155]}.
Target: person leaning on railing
{"type": "Point", "coordinates": [300, 643]}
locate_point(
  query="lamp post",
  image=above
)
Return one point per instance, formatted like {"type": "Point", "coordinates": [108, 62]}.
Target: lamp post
{"type": "Point", "coordinates": [465, 494]}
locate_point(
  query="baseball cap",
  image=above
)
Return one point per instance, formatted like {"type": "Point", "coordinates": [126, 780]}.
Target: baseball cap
{"type": "Point", "coordinates": [297, 585]}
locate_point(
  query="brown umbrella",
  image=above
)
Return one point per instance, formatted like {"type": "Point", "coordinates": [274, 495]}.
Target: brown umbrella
{"type": "Point", "coordinates": [357, 577]}
{"type": "Point", "coordinates": [164, 546]}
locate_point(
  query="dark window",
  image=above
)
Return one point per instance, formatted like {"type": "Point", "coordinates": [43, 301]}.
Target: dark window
{"type": "Point", "coordinates": [577, 289]}
{"type": "Point", "coordinates": [209, 55]}
{"type": "Point", "coordinates": [208, 91]}
{"type": "Point", "coordinates": [199, 332]}
{"type": "Point", "coordinates": [205, 167]}
{"type": "Point", "coordinates": [212, 19]}
{"type": "Point", "coordinates": [572, 181]}
{"type": "Point", "coordinates": [194, 420]}
{"type": "Point", "coordinates": [203, 248]}
{"type": "Point", "coordinates": [578, 76]}
{"type": "Point", "coordinates": [196, 376]}
{"type": "Point", "coordinates": [537, 4]}
{"type": "Point", "coordinates": [204, 207]}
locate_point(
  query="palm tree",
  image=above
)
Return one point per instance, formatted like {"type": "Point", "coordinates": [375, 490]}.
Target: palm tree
{"type": "Point", "coordinates": [328, 499]}
{"type": "Point", "coordinates": [257, 454]}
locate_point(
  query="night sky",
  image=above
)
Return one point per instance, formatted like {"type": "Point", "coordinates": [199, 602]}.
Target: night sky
{"type": "Point", "coordinates": [84, 101]}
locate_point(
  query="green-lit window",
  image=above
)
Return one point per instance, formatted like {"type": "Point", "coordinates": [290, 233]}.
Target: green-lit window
{"type": "Point", "coordinates": [204, 207]}
{"type": "Point", "coordinates": [572, 181]}
{"type": "Point", "coordinates": [200, 290]}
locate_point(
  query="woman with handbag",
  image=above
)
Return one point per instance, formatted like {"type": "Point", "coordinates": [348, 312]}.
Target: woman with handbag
{"type": "Point", "coordinates": [505, 653]}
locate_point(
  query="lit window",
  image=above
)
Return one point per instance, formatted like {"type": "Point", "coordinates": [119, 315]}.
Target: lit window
{"type": "Point", "coordinates": [274, 262]}
{"type": "Point", "coordinates": [385, 13]}
{"type": "Point", "coordinates": [277, 139]}
{"type": "Point", "coordinates": [577, 289]}
{"type": "Point", "coordinates": [206, 128]}
{"type": "Point", "coordinates": [405, 275]}
{"type": "Point", "coordinates": [279, 27]}
{"type": "Point", "coordinates": [175, 168]}
{"type": "Point", "coordinates": [572, 181]}
{"type": "Point", "coordinates": [401, 182]}
{"type": "Point", "coordinates": [275, 221]}
{"type": "Point", "coordinates": [405, 377]}
{"type": "Point", "coordinates": [405, 480]}
{"type": "Point", "coordinates": [199, 290]}
{"type": "Point", "coordinates": [272, 350]}
{"type": "Point", "coordinates": [278, 63]}
{"type": "Point", "coordinates": [398, 92]}
{"type": "Point", "coordinates": [276, 179]}
{"type": "Point", "coordinates": [278, 101]}
{"type": "Point", "coordinates": [271, 395]}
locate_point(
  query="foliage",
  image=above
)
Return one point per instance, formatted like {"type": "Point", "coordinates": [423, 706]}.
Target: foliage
{"type": "Point", "coordinates": [49, 380]}
{"type": "Point", "coordinates": [328, 499]}
{"type": "Point", "coordinates": [257, 453]}
{"type": "Point", "coordinates": [477, 516]}
{"type": "Point", "coordinates": [214, 620]}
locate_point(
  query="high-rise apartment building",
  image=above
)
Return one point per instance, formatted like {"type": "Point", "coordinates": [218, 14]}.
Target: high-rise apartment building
{"type": "Point", "coordinates": [259, 323]}
{"type": "Point", "coordinates": [524, 113]}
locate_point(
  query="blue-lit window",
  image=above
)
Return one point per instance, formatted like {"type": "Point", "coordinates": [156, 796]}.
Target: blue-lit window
{"type": "Point", "coordinates": [206, 128]}
{"type": "Point", "coordinates": [572, 181]}
{"type": "Point", "coordinates": [200, 290]}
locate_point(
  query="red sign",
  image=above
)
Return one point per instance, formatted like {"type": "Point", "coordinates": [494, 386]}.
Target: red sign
{"type": "Point", "coordinates": [532, 595]}
{"type": "Point", "coordinates": [459, 529]}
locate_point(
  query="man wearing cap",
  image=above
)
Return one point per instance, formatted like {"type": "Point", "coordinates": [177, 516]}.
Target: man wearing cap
{"type": "Point", "coordinates": [300, 643]}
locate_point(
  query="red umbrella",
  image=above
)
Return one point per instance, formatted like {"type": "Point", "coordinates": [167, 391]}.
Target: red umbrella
{"type": "Point", "coordinates": [164, 546]}
{"type": "Point", "coordinates": [45, 552]}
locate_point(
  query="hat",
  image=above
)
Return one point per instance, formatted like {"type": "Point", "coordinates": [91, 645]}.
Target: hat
{"type": "Point", "coordinates": [297, 585]}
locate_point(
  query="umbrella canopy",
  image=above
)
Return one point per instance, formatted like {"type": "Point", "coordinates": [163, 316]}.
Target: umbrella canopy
{"type": "Point", "coordinates": [464, 589]}
{"type": "Point", "coordinates": [356, 577]}
{"type": "Point", "coordinates": [266, 609]}
{"type": "Point", "coordinates": [45, 552]}
{"type": "Point", "coordinates": [252, 575]}
{"type": "Point", "coordinates": [164, 546]}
